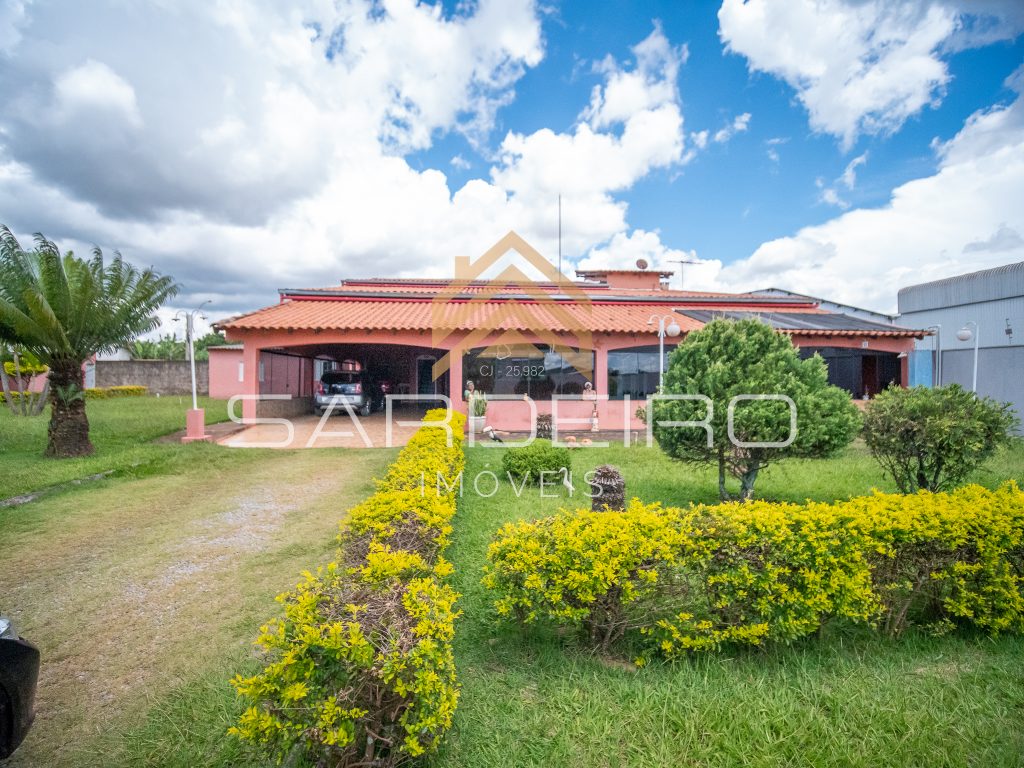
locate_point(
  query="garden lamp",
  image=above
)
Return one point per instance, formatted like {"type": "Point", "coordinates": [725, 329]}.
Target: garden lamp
{"type": "Point", "coordinates": [965, 334]}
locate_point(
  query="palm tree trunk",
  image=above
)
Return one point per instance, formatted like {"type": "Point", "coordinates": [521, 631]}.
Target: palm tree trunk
{"type": "Point", "coordinates": [69, 426]}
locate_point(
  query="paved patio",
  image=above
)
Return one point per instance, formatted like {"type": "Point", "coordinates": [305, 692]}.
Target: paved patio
{"type": "Point", "coordinates": [338, 431]}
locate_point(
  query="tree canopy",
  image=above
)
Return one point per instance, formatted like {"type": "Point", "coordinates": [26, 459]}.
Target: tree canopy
{"type": "Point", "coordinates": [64, 309]}
{"type": "Point", "coordinates": [726, 359]}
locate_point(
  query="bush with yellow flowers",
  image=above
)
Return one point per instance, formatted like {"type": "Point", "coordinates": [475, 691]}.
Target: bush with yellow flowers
{"type": "Point", "coordinates": [754, 572]}
{"type": "Point", "coordinates": [360, 668]}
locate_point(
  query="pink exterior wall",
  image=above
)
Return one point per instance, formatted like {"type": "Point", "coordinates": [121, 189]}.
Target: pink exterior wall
{"type": "Point", "coordinates": [294, 375]}
{"type": "Point", "coordinates": [224, 380]}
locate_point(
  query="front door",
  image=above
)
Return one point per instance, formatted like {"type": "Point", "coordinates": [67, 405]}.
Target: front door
{"type": "Point", "coordinates": [425, 384]}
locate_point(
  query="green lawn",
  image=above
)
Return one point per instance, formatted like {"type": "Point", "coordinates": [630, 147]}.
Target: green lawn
{"type": "Point", "coordinates": [146, 590]}
{"type": "Point", "coordinates": [122, 430]}
{"type": "Point", "coordinates": [844, 700]}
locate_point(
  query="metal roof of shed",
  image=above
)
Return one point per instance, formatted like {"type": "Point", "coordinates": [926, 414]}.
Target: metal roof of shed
{"type": "Point", "coordinates": [809, 323]}
{"type": "Point", "coordinates": [1003, 282]}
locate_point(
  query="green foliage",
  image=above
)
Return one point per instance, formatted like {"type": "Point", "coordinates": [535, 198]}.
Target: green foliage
{"type": "Point", "coordinates": [728, 358]}
{"type": "Point", "coordinates": [62, 310]}
{"type": "Point", "coordinates": [361, 669]}
{"type": "Point", "coordinates": [27, 364]}
{"type": "Point", "coordinates": [934, 438]}
{"type": "Point", "coordinates": [170, 347]}
{"type": "Point", "coordinates": [748, 573]}
{"type": "Point", "coordinates": [478, 404]}
{"type": "Point", "coordinates": [127, 390]}
{"type": "Point", "coordinates": [167, 347]}
{"type": "Point", "coordinates": [540, 456]}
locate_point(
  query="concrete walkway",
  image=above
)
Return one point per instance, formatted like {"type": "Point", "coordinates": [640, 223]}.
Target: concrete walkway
{"type": "Point", "coordinates": [309, 431]}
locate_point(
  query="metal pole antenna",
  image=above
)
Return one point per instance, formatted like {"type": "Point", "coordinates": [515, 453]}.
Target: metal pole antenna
{"type": "Point", "coordinates": [559, 238]}
{"type": "Point", "coordinates": [681, 262]}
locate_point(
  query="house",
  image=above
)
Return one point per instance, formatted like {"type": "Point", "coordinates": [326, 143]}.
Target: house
{"type": "Point", "coordinates": [513, 336]}
{"type": "Point", "coordinates": [980, 310]}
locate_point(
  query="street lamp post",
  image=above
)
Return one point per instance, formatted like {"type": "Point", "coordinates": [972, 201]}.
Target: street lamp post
{"type": "Point", "coordinates": [670, 329]}
{"type": "Point", "coordinates": [965, 334]}
{"type": "Point", "coordinates": [937, 349]}
{"type": "Point", "coordinates": [195, 421]}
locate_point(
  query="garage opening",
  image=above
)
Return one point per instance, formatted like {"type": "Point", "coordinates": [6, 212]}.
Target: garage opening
{"type": "Point", "coordinates": [394, 368]}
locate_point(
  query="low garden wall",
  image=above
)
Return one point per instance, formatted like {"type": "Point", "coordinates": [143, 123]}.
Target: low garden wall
{"type": "Point", "coordinates": [164, 377]}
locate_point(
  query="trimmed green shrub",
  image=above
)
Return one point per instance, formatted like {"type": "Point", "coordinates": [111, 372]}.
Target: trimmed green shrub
{"type": "Point", "coordinates": [749, 573]}
{"type": "Point", "coordinates": [360, 669]}
{"type": "Point", "coordinates": [933, 438]}
{"type": "Point", "coordinates": [540, 456]}
{"type": "Point", "coordinates": [95, 393]}
{"type": "Point", "coordinates": [127, 390]}
{"type": "Point", "coordinates": [728, 358]}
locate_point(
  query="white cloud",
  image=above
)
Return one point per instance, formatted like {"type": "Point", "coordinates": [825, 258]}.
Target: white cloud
{"type": "Point", "coordinates": [93, 86]}
{"type": "Point", "coordinates": [739, 124]}
{"type": "Point", "coordinates": [650, 83]}
{"type": "Point", "coordinates": [967, 216]}
{"type": "Point", "coordinates": [848, 179]}
{"type": "Point", "coordinates": [270, 143]}
{"type": "Point", "coordinates": [864, 66]}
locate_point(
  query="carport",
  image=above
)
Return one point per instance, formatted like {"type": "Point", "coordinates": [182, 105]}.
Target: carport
{"type": "Point", "coordinates": [293, 370]}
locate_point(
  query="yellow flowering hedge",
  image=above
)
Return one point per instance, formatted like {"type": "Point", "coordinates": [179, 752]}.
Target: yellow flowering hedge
{"type": "Point", "coordinates": [360, 668]}
{"type": "Point", "coordinates": [749, 573]}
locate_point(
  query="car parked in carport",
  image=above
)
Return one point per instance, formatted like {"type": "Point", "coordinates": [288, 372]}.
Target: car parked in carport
{"type": "Point", "coordinates": [19, 673]}
{"type": "Point", "coordinates": [363, 392]}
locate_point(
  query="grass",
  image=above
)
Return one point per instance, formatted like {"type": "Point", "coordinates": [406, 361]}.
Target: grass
{"type": "Point", "coordinates": [539, 699]}
{"type": "Point", "coordinates": [146, 592]}
{"type": "Point", "coordinates": [121, 429]}
{"type": "Point", "coordinates": [137, 587]}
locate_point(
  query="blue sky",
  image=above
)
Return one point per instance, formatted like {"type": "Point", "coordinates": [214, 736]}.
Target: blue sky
{"type": "Point", "coordinates": [842, 148]}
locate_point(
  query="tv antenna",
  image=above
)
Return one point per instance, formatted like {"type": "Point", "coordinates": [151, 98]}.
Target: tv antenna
{"type": "Point", "coordinates": [681, 262]}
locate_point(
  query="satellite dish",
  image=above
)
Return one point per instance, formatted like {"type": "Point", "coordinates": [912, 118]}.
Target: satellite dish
{"type": "Point", "coordinates": [641, 263]}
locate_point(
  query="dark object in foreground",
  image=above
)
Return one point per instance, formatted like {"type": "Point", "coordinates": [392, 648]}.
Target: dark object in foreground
{"type": "Point", "coordinates": [608, 488]}
{"type": "Point", "coordinates": [19, 671]}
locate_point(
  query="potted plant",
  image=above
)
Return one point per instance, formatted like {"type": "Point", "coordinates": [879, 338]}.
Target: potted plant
{"type": "Point", "coordinates": [477, 411]}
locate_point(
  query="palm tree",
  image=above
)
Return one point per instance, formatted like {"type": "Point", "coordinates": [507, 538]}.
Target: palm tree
{"type": "Point", "coordinates": [63, 310]}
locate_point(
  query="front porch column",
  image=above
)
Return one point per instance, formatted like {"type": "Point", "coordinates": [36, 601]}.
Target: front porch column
{"type": "Point", "coordinates": [455, 379]}
{"type": "Point", "coordinates": [600, 369]}
{"type": "Point", "coordinates": [250, 378]}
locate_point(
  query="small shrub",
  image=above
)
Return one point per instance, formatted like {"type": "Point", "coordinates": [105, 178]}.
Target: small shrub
{"type": "Point", "coordinates": [95, 393]}
{"type": "Point", "coordinates": [527, 463]}
{"type": "Point", "coordinates": [16, 397]}
{"type": "Point", "coordinates": [127, 390]}
{"type": "Point", "coordinates": [933, 439]}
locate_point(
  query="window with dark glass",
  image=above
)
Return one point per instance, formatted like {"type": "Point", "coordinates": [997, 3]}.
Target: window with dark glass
{"type": "Point", "coordinates": [634, 371]}
{"type": "Point", "coordinates": [533, 370]}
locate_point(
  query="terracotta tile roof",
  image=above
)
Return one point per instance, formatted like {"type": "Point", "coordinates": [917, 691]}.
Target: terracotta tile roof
{"type": "Point", "coordinates": [402, 315]}
{"type": "Point", "coordinates": [429, 287]}
{"type": "Point", "coordinates": [413, 305]}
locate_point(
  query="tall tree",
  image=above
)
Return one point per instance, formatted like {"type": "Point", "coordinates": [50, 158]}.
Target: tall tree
{"type": "Point", "coordinates": [63, 310]}
{"type": "Point", "coordinates": [728, 358]}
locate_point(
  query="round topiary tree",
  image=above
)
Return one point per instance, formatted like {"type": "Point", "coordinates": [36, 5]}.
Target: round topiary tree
{"type": "Point", "coordinates": [726, 359]}
{"type": "Point", "coordinates": [933, 439]}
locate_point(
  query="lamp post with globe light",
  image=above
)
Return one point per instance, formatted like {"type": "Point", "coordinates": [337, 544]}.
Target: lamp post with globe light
{"type": "Point", "coordinates": [671, 328]}
{"type": "Point", "coordinates": [195, 419]}
{"type": "Point", "coordinates": [965, 334]}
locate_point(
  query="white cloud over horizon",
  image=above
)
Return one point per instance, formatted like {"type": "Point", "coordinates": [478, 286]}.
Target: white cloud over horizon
{"type": "Point", "coordinates": [251, 146]}
{"type": "Point", "coordinates": [862, 67]}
